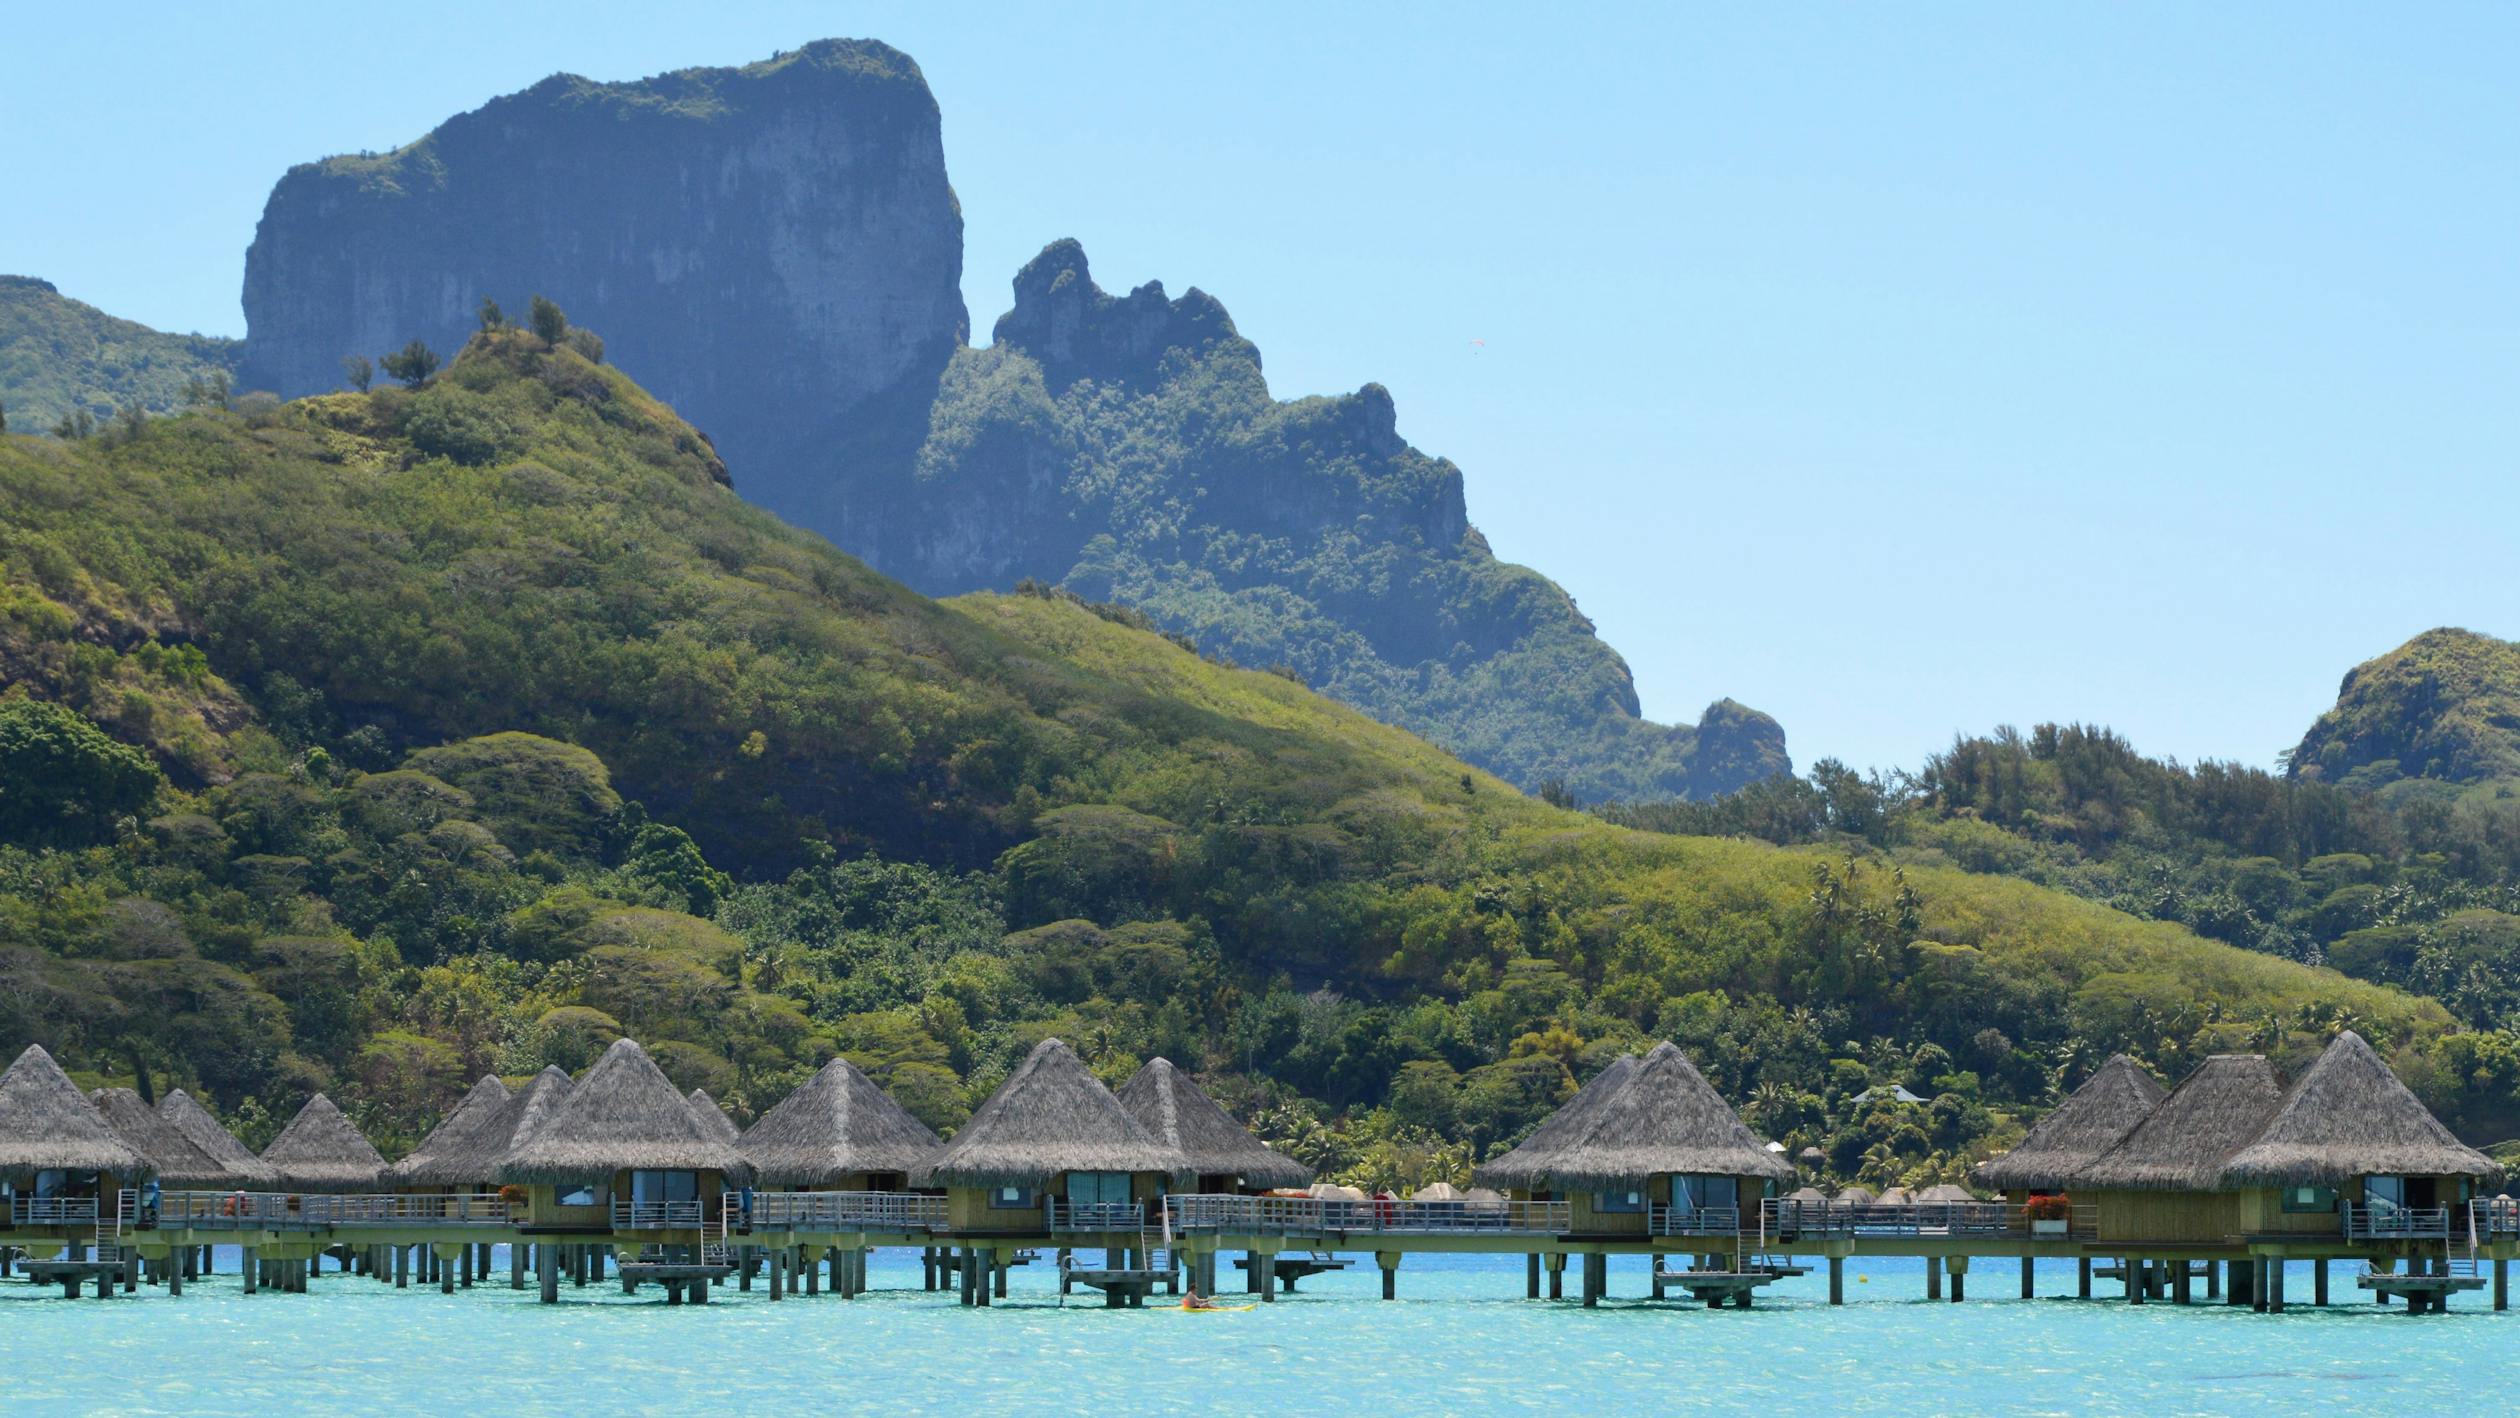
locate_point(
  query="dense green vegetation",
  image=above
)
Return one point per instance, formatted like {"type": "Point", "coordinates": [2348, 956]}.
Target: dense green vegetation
{"type": "Point", "coordinates": [2408, 882]}
{"type": "Point", "coordinates": [2443, 707]}
{"type": "Point", "coordinates": [60, 357]}
{"type": "Point", "coordinates": [377, 739]}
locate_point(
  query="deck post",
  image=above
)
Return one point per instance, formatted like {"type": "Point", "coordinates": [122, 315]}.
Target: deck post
{"type": "Point", "coordinates": [778, 1272]}
{"type": "Point", "coordinates": [2029, 1278]}
{"type": "Point", "coordinates": [249, 1266]}
{"type": "Point", "coordinates": [2502, 1284]}
{"type": "Point", "coordinates": [999, 1267]}
{"type": "Point", "coordinates": [1257, 1280]}
{"type": "Point", "coordinates": [813, 1273]}
{"type": "Point", "coordinates": [577, 1276]}
{"type": "Point", "coordinates": [927, 1268]}
{"type": "Point", "coordinates": [2213, 1279]}
{"type": "Point", "coordinates": [1531, 1276]}
{"type": "Point", "coordinates": [2082, 1277]}
{"type": "Point", "coordinates": [2318, 1282]}
{"type": "Point", "coordinates": [989, 1277]}
{"type": "Point", "coordinates": [547, 1273]}
{"type": "Point", "coordinates": [2134, 1270]}
{"type": "Point", "coordinates": [1933, 1277]}
{"type": "Point", "coordinates": [516, 1265]}
{"type": "Point", "coordinates": [1959, 1266]}
{"type": "Point", "coordinates": [2275, 1285]}
{"type": "Point", "coordinates": [1654, 1268]}
{"type": "Point", "coordinates": [2258, 1283]}
{"type": "Point", "coordinates": [1390, 1263]}
{"type": "Point", "coordinates": [1556, 1263]}
{"type": "Point", "coordinates": [2182, 1280]}
{"type": "Point", "coordinates": [465, 1263]}
{"type": "Point", "coordinates": [1837, 1280]}
{"type": "Point", "coordinates": [446, 1275]}
{"type": "Point", "coordinates": [174, 1276]}
{"type": "Point", "coordinates": [1592, 1279]}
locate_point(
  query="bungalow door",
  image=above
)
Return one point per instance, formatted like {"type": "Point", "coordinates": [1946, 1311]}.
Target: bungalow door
{"type": "Point", "coordinates": [1720, 1197]}
{"type": "Point", "coordinates": [665, 1198]}
{"type": "Point", "coordinates": [1100, 1198]}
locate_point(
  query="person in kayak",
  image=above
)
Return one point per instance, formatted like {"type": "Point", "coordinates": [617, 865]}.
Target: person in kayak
{"type": "Point", "coordinates": [1191, 1299]}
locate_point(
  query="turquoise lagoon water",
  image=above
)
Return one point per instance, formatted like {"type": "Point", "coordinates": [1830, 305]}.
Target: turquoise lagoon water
{"type": "Point", "coordinates": [1459, 1340]}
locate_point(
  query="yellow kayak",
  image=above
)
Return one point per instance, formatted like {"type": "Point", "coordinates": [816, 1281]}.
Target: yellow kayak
{"type": "Point", "coordinates": [1210, 1309]}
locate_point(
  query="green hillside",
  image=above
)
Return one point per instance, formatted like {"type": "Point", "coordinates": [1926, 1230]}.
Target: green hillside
{"type": "Point", "coordinates": [372, 741]}
{"type": "Point", "coordinates": [59, 355]}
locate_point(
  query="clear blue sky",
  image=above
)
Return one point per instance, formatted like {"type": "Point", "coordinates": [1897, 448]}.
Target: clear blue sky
{"type": "Point", "coordinates": [1897, 370]}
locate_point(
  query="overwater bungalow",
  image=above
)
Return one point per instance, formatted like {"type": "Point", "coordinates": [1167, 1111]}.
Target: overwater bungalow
{"type": "Point", "coordinates": [713, 1116]}
{"type": "Point", "coordinates": [1665, 1155]}
{"type": "Point", "coordinates": [321, 1150]}
{"type": "Point", "coordinates": [1854, 1195]}
{"type": "Point", "coordinates": [2093, 1118]}
{"type": "Point", "coordinates": [536, 1102]}
{"type": "Point", "coordinates": [1222, 1152]}
{"type": "Point", "coordinates": [838, 1132]}
{"type": "Point", "coordinates": [2164, 1180]}
{"type": "Point", "coordinates": [623, 1150]}
{"type": "Point", "coordinates": [1052, 1147]}
{"type": "Point", "coordinates": [59, 1158]}
{"type": "Point", "coordinates": [2350, 1138]}
{"type": "Point", "coordinates": [241, 1169]}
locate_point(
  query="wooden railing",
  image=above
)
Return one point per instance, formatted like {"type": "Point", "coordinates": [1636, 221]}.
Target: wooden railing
{"type": "Point", "coordinates": [655, 1215]}
{"type": "Point", "coordinates": [1068, 1215]}
{"type": "Point", "coordinates": [1786, 1217]}
{"type": "Point", "coordinates": [1662, 1219]}
{"type": "Point", "coordinates": [2496, 1217]}
{"type": "Point", "coordinates": [1271, 1214]}
{"type": "Point", "coordinates": [53, 1211]}
{"type": "Point", "coordinates": [2364, 1222]}
{"type": "Point", "coordinates": [262, 1211]}
{"type": "Point", "coordinates": [848, 1211]}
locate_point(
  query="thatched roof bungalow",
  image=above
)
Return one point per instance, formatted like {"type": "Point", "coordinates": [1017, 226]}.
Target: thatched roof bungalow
{"type": "Point", "coordinates": [2094, 1118]}
{"type": "Point", "coordinates": [536, 1102]}
{"type": "Point", "coordinates": [1222, 1152]}
{"type": "Point", "coordinates": [1664, 1137]}
{"type": "Point", "coordinates": [2163, 1181]}
{"type": "Point", "coordinates": [462, 1152]}
{"type": "Point", "coordinates": [241, 1170]}
{"type": "Point", "coordinates": [53, 1141]}
{"type": "Point", "coordinates": [838, 1132]}
{"type": "Point", "coordinates": [1052, 1134]}
{"type": "Point", "coordinates": [178, 1161]}
{"type": "Point", "coordinates": [1525, 1170]}
{"type": "Point", "coordinates": [321, 1150]}
{"type": "Point", "coordinates": [624, 1149]}
{"type": "Point", "coordinates": [2348, 1132]}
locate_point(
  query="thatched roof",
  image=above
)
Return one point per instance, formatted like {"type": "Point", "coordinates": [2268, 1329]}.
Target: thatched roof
{"type": "Point", "coordinates": [321, 1150]}
{"type": "Point", "coordinates": [837, 1124]}
{"type": "Point", "coordinates": [2349, 1116]}
{"type": "Point", "coordinates": [1807, 1194]}
{"type": "Point", "coordinates": [176, 1159]}
{"type": "Point", "coordinates": [1527, 1165]}
{"type": "Point", "coordinates": [536, 1102]}
{"type": "Point", "coordinates": [2097, 1117]}
{"type": "Point", "coordinates": [712, 1116]}
{"type": "Point", "coordinates": [47, 1123]}
{"type": "Point", "coordinates": [1945, 1192]}
{"type": "Point", "coordinates": [1854, 1196]}
{"type": "Point", "coordinates": [465, 1147]}
{"type": "Point", "coordinates": [1666, 1119]}
{"type": "Point", "coordinates": [625, 1114]}
{"type": "Point", "coordinates": [240, 1168]}
{"type": "Point", "coordinates": [1181, 1114]}
{"type": "Point", "coordinates": [1896, 1196]}
{"type": "Point", "coordinates": [1050, 1116]}
{"type": "Point", "coordinates": [2183, 1144]}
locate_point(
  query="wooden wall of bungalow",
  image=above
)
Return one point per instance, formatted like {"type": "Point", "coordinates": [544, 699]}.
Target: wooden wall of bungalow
{"type": "Point", "coordinates": [1020, 1208]}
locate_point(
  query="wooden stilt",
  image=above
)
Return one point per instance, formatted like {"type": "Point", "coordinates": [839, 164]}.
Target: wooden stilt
{"type": "Point", "coordinates": [1390, 1263]}
{"type": "Point", "coordinates": [1556, 1262]}
{"type": "Point", "coordinates": [2082, 1277]}
{"type": "Point", "coordinates": [2318, 1282]}
{"type": "Point", "coordinates": [1933, 1277]}
{"type": "Point", "coordinates": [1837, 1280]}
{"type": "Point", "coordinates": [547, 1272]}
{"type": "Point", "coordinates": [986, 1282]}
{"type": "Point", "coordinates": [2502, 1284]}
{"type": "Point", "coordinates": [1531, 1276]}
{"type": "Point", "coordinates": [2029, 1278]}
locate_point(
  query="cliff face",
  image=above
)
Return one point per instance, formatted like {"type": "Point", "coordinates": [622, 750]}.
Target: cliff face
{"type": "Point", "coordinates": [773, 249]}
{"type": "Point", "coordinates": [1129, 449]}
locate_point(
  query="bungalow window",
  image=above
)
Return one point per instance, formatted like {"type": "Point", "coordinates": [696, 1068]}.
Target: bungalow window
{"type": "Point", "coordinates": [1696, 1193]}
{"type": "Point", "coordinates": [1011, 1198]}
{"type": "Point", "coordinates": [1610, 1203]}
{"type": "Point", "coordinates": [2309, 1199]}
{"type": "Point", "coordinates": [653, 1188]}
{"type": "Point", "coordinates": [578, 1193]}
